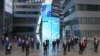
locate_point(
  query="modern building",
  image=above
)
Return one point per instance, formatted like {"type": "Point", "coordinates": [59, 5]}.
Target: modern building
{"type": "Point", "coordinates": [8, 18]}
{"type": "Point", "coordinates": [82, 17]}
{"type": "Point", "coordinates": [1, 16]}
{"type": "Point", "coordinates": [26, 17]}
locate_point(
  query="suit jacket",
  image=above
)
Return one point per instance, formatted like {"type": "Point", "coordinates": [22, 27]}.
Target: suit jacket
{"type": "Point", "coordinates": [64, 46]}
{"type": "Point", "coordinates": [27, 46]}
{"type": "Point", "coordinates": [54, 43]}
{"type": "Point", "coordinates": [45, 46]}
{"type": "Point", "coordinates": [96, 43]}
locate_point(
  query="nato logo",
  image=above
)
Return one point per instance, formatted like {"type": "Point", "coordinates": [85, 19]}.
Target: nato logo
{"type": "Point", "coordinates": [46, 10]}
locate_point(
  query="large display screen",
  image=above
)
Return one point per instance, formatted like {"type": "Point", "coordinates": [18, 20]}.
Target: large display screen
{"type": "Point", "coordinates": [50, 24]}
{"type": "Point", "coordinates": [8, 6]}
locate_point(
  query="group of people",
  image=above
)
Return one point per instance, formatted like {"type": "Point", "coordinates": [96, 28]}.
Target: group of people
{"type": "Point", "coordinates": [69, 44]}
{"type": "Point", "coordinates": [83, 44]}
{"type": "Point", "coordinates": [6, 43]}
{"type": "Point", "coordinates": [55, 45]}
{"type": "Point", "coordinates": [24, 43]}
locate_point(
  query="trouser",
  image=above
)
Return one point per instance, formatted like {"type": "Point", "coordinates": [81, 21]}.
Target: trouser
{"type": "Point", "coordinates": [27, 52]}
{"type": "Point", "coordinates": [53, 49]}
{"type": "Point", "coordinates": [58, 46]}
{"type": "Point", "coordinates": [8, 51]}
{"type": "Point", "coordinates": [68, 49]}
{"type": "Point", "coordinates": [96, 49]}
{"type": "Point", "coordinates": [80, 51]}
{"type": "Point", "coordinates": [64, 52]}
{"type": "Point", "coordinates": [45, 52]}
{"type": "Point", "coordinates": [23, 49]}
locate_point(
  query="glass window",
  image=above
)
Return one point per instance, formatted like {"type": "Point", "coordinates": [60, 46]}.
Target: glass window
{"type": "Point", "coordinates": [25, 20]}
{"type": "Point", "coordinates": [92, 7]}
{"type": "Point", "coordinates": [26, 12]}
{"type": "Point", "coordinates": [23, 29]}
{"type": "Point", "coordinates": [70, 10]}
{"type": "Point", "coordinates": [28, 6]}
{"type": "Point", "coordinates": [81, 7]}
{"type": "Point", "coordinates": [88, 7]}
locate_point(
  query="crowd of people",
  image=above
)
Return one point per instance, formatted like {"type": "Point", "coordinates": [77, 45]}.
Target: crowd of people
{"type": "Point", "coordinates": [67, 45]}
{"type": "Point", "coordinates": [24, 43]}
{"type": "Point", "coordinates": [82, 44]}
{"type": "Point", "coordinates": [55, 46]}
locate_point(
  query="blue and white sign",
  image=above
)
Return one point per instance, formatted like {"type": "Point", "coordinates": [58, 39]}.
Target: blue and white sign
{"type": "Point", "coordinates": [50, 24]}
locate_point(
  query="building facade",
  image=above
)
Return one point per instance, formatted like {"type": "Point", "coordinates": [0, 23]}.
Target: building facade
{"type": "Point", "coordinates": [1, 16]}
{"type": "Point", "coordinates": [26, 16]}
{"type": "Point", "coordinates": [82, 17]}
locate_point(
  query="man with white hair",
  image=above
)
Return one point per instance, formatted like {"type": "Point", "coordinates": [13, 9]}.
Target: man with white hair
{"type": "Point", "coordinates": [96, 44]}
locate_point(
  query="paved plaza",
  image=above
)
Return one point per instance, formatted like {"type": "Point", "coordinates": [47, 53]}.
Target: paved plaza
{"type": "Point", "coordinates": [16, 51]}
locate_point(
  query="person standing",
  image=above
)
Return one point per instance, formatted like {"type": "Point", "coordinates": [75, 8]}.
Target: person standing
{"type": "Point", "coordinates": [32, 43]}
{"type": "Point", "coordinates": [19, 42]}
{"type": "Point", "coordinates": [27, 48]}
{"type": "Point", "coordinates": [72, 42]}
{"type": "Point", "coordinates": [47, 41]}
{"type": "Point", "coordinates": [54, 46]}
{"type": "Point", "coordinates": [23, 45]}
{"type": "Point", "coordinates": [84, 43]}
{"type": "Point", "coordinates": [58, 41]}
{"type": "Point", "coordinates": [64, 47]}
{"type": "Point", "coordinates": [15, 39]}
{"type": "Point", "coordinates": [96, 43]}
{"type": "Point", "coordinates": [81, 47]}
{"type": "Point", "coordinates": [6, 41]}
{"type": "Point", "coordinates": [45, 48]}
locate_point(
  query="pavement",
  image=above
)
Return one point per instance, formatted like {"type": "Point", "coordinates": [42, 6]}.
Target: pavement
{"type": "Point", "coordinates": [16, 51]}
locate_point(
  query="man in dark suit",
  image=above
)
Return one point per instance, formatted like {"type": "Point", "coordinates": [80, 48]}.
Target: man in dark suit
{"type": "Point", "coordinates": [54, 46]}
{"type": "Point", "coordinates": [27, 48]}
{"type": "Point", "coordinates": [23, 45]}
{"type": "Point", "coordinates": [96, 43]}
{"type": "Point", "coordinates": [58, 41]}
{"type": "Point", "coordinates": [72, 42]}
{"type": "Point", "coordinates": [45, 48]}
{"type": "Point", "coordinates": [32, 43]}
{"type": "Point", "coordinates": [64, 47]}
{"type": "Point", "coordinates": [47, 41]}
{"type": "Point", "coordinates": [81, 47]}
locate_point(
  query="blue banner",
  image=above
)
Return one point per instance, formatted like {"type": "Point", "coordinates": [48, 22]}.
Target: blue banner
{"type": "Point", "coordinates": [50, 24]}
